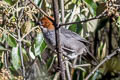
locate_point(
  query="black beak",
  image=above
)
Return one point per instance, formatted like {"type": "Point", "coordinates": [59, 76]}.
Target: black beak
{"type": "Point", "coordinates": [38, 23]}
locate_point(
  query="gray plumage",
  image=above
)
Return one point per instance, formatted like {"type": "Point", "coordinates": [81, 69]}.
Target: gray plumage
{"type": "Point", "coordinates": [71, 43]}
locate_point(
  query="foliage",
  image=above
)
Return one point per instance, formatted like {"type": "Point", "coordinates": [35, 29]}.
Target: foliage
{"type": "Point", "coordinates": [19, 34]}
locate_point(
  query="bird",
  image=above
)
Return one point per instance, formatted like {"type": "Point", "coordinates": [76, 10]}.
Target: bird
{"type": "Point", "coordinates": [72, 44]}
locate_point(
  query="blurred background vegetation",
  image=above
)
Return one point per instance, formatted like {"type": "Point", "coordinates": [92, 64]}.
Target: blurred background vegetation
{"type": "Point", "coordinates": [24, 51]}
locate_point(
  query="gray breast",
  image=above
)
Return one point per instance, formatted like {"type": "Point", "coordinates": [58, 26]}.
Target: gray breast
{"type": "Point", "coordinates": [49, 37]}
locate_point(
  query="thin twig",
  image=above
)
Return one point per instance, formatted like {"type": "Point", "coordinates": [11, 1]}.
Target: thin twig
{"type": "Point", "coordinates": [4, 30]}
{"type": "Point", "coordinates": [56, 76]}
{"type": "Point", "coordinates": [68, 71]}
{"type": "Point", "coordinates": [21, 55]}
{"type": "Point", "coordinates": [116, 5]}
{"type": "Point", "coordinates": [20, 45]}
{"type": "Point", "coordinates": [58, 42]}
{"type": "Point", "coordinates": [6, 55]}
{"type": "Point", "coordinates": [101, 63]}
{"type": "Point", "coordinates": [97, 17]}
{"type": "Point", "coordinates": [71, 17]}
{"type": "Point", "coordinates": [29, 32]}
{"type": "Point", "coordinates": [82, 65]}
{"type": "Point", "coordinates": [39, 8]}
{"type": "Point", "coordinates": [5, 59]}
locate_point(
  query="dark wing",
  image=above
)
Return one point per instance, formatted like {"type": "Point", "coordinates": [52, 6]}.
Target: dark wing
{"type": "Point", "coordinates": [67, 33]}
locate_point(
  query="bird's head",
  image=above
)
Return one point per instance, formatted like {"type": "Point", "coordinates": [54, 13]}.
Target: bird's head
{"type": "Point", "coordinates": [47, 23]}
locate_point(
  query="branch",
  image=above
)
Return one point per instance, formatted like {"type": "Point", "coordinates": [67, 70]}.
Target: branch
{"type": "Point", "coordinates": [102, 62]}
{"type": "Point", "coordinates": [57, 36]}
{"type": "Point", "coordinates": [62, 10]}
{"type": "Point", "coordinates": [20, 43]}
{"type": "Point", "coordinates": [97, 17]}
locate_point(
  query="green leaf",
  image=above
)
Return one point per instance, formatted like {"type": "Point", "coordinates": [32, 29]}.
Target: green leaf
{"type": "Point", "coordinates": [39, 44]}
{"type": "Point", "coordinates": [95, 76]}
{"type": "Point", "coordinates": [92, 6]}
{"type": "Point", "coordinates": [13, 71]}
{"type": "Point", "coordinates": [43, 46]}
{"type": "Point", "coordinates": [118, 21]}
{"type": "Point", "coordinates": [75, 74]}
{"type": "Point", "coordinates": [101, 24]}
{"type": "Point", "coordinates": [2, 48]}
{"type": "Point", "coordinates": [79, 26]}
{"type": "Point", "coordinates": [50, 62]}
{"type": "Point", "coordinates": [100, 8]}
{"type": "Point", "coordinates": [28, 42]}
{"type": "Point", "coordinates": [15, 58]}
{"type": "Point", "coordinates": [76, 27]}
{"type": "Point", "coordinates": [31, 53]}
{"type": "Point", "coordinates": [118, 24]}
{"type": "Point", "coordinates": [11, 41]}
{"type": "Point", "coordinates": [25, 56]}
{"type": "Point", "coordinates": [73, 27]}
{"type": "Point", "coordinates": [71, 6]}
{"type": "Point", "coordinates": [11, 2]}
{"type": "Point", "coordinates": [1, 64]}
{"type": "Point", "coordinates": [76, 1]}
{"type": "Point", "coordinates": [2, 39]}
{"type": "Point", "coordinates": [91, 25]}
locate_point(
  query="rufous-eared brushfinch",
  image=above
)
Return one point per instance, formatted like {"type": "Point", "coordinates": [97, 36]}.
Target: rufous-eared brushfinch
{"type": "Point", "coordinates": [72, 44]}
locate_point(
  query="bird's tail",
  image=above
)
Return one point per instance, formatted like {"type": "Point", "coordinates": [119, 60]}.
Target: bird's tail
{"type": "Point", "coordinates": [90, 55]}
